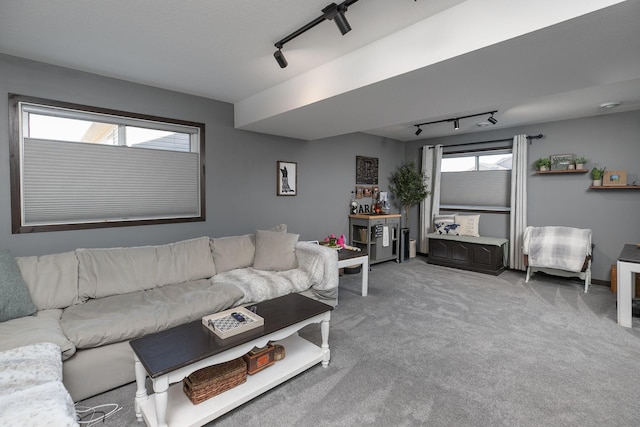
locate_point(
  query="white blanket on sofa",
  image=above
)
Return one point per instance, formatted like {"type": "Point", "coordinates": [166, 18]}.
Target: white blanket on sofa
{"type": "Point", "coordinates": [317, 269]}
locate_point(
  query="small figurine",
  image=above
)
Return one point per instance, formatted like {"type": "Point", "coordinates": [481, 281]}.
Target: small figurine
{"type": "Point", "coordinates": [341, 241]}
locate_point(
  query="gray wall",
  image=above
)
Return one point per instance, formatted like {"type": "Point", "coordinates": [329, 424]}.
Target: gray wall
{"type": "Point", "coordinates": [240, 165]}
{"type": "Point", "coordinates": [611, 140]}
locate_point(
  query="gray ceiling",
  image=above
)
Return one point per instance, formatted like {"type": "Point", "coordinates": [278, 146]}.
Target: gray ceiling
{"type": "Point", "coordinates": [404, 62]}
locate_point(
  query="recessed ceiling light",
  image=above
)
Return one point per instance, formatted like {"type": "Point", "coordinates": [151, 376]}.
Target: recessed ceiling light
{"type": "Point", "coordinates": [482, 124]}
{"type": "Point", "coordinates": [609, 105]}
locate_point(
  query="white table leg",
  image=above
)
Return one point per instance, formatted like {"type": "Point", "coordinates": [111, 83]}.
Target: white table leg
{"type": "Point", "coordinates": [161, 388]}
{"type": "Point", "coordinates": [365, 277]}
{"type": "Point", "coordinates": [625, 293]}
{"type": "Point", "coordinates": [141, 390]}
{"type": "Point", "coordinates": [324, 329]}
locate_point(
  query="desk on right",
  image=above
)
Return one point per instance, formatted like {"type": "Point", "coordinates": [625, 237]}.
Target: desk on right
{"type": "Point", "coordinates": [628, 264]}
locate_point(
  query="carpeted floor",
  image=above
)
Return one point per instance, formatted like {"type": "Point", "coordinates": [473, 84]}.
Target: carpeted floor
{"type": "Point", "coordinates": [443, 347]}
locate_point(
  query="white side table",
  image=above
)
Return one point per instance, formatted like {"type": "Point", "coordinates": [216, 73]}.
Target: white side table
{"type": "Point", "coordinates": [353, 261]}
{"type": "Point", "coordinates": [628, 263]}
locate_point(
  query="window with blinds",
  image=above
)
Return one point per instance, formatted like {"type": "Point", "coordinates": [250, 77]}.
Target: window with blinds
{"type": "Point", "coordinates": [82, 167]}
{"type": "Point", "coordinates": [476, 180]}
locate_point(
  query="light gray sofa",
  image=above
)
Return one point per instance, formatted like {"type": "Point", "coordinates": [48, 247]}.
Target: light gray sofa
{"type": "Point", "coordinates": [92, 302]}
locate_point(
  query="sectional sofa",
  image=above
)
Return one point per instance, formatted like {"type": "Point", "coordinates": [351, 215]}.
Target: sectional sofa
{"type": "Point", "coordinates": [92, 302]}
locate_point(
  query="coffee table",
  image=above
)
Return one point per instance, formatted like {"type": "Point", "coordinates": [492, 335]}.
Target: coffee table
{"type": "Point", "coordinates": [168, 356]}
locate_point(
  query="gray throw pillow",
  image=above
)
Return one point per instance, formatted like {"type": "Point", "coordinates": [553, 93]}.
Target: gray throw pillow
{"type": "Point", "coordinates": [16, 300]}
{"type": "Point", "coordinates": [275, 251]}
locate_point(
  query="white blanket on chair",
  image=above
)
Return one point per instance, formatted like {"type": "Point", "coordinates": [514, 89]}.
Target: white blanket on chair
{"type": "Point", "coordinates": [563, 248]}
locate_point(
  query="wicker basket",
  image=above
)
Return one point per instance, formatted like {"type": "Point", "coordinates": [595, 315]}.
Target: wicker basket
{"type": "Point", "coordinates": [213, 380]}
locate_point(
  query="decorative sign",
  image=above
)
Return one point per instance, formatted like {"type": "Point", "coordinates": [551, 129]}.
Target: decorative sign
{"type": "Point", "coordinates": [366, 170]}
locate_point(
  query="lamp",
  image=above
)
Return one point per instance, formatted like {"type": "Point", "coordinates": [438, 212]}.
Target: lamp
{"type": "Point", "coordinates": [419, 131]}
{"type": "Point", "coordinates": [456, 124]}
{"type": "Point", "coordinates": [332, 12]}
{"type": "Point", "coordinates": [492, 120]}
{"type": "Point", "coordinates": [282, 62]}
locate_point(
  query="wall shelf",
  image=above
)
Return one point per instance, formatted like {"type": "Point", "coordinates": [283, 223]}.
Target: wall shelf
{"type": "Point", "coordinates": [620, 187]}
{"type": "Point", "coordinates": [564, 171]}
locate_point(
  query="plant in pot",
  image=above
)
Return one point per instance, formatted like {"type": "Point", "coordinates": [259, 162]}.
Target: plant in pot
{"type": "Point", "coordinates": [408, 187]}
{"type": "Point", "coordinates": [596, 176]}
{"type": "Point", "coordinates": [543, 164]}
{"type": "Point", "coordinates": [579, 162]}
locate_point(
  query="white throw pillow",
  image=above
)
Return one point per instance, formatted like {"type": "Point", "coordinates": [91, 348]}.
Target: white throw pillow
{"type": "Point", "coordinates": [468, 225]}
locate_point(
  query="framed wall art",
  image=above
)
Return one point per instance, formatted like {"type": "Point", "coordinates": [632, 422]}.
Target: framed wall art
{"type": "Point", "coordinates": [560, 162]}
{"type": "Point", "coordinates": [614, 178]}
{"type": "Point", "coordinates": [366, 170]}
{"type": "Point", "coordinates": [287, 179]}
{"type": "Point", "coordinates": [359, 191]}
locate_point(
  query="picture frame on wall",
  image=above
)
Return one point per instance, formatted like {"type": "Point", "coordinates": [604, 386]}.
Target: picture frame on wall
{"type": "Point", "coordinates": [367, 192]}
{"type": "Point", "coordinates": [359, 192]}
{"type": "Point", "coordinates": [614, 178]}
{"type": "Point", "coordinates": [560, 162]}
{"type": "Point", "coordinates": [287, 178]}
{"type": "Point", "coordinates": [366, 170]}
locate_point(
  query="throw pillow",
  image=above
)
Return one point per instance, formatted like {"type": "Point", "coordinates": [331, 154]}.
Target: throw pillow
{"type": "Point", "coordinates": [444, 219]}
{"type": "Point", "coordinates": [16, 300]}
{"type": "Point", "coordinates": [275, 251]}
{"type": "Point", "coordinates": [468, 225]}
{"type": "Point", "coordinates": [232, 252]}
{"type": "Point", "coordinates": [447, 228]}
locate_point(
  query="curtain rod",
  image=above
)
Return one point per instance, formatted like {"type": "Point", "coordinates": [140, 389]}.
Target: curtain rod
{"type": "Point", "coordinates": [539, 136]}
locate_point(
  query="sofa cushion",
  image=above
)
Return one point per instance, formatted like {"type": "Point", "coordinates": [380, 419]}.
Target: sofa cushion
{"type": "Point", "coordinates": [52, 280]}
{"type": "Point", "coordinates": [127, 316]}
{"type": "Point", "coordinates": [43, 327]}
{"type": "Point", "coordinates": [232, 252]}
{"type": "Point", "coordinates": [275, 251]}
{"type": "Point", "coordinates": [15, 301]}
{"type": "Point", "coordinates": [105, 272]}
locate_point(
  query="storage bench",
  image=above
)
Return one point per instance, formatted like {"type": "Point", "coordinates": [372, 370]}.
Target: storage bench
{"type": "Point", "coordinates": [482, 254]}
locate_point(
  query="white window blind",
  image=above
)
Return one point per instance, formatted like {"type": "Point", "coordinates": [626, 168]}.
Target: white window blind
{"type": "Point", "coordinates": [65, 182]}
{"type": "Point", "coordinates": [476, 188]}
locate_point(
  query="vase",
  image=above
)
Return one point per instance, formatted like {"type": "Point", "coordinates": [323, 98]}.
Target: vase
{"type": "Point", "coordinates": [597, 182]}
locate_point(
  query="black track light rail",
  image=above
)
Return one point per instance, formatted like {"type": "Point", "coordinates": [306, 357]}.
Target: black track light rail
{"type": "Point", "coordinates": [332, 12]}
{"type": "Point", "coordinates": [329, 13]}
{"type": "Point", "coordinates": [453, 119]}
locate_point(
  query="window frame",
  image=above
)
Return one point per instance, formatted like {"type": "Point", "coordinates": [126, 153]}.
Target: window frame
{"type": "Point", "coordinates": [16, 157]}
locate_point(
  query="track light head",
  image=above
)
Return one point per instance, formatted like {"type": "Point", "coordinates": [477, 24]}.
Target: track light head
{"type": "Point", "coordinates": [419, 131]}
{"type": "Point", "coordinates": [336, 14]}
{"type": "Point", "coordinates": [456, 124]}
{"type": "Point", "coordinates": [492, 120]}
{"type": "Point", "coordinates": [280, 59]}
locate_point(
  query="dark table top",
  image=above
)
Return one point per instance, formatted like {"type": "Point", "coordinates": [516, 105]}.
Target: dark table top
{"type": "Point", "coordinates": [348, 254]}
{"type": "Point", "coordinates": [183, 345]}
{"type": "Point", "coordinates": [630, 253]}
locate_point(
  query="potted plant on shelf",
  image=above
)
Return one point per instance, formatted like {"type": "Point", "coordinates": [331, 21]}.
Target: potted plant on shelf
{"type": "Point", "coordinates": [596, 176]}
{"type": "Point", "coordinates": [408, 187]}
{"type": "Point", "coordinates": [579, 162]}
{"type": "Point", "coordinates": [543, 164]}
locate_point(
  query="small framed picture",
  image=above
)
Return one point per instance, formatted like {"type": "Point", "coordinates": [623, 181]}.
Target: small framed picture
{"type": "Point", "coordinates": [614, 178]}
{"type": "Point", "coordinates": [375, 193]}
{"type": "Point", "coordinates": [366, 192]}
{"type": "Point", "coordinates": [560, 162]}
{"type": "Point", "coordinates": [359, 192]}
{"type": "Point", "coordinates": [287, 179]}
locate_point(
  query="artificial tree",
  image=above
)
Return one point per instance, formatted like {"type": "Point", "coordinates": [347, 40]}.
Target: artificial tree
{"type": "Point", "coordinates": [408, 186]}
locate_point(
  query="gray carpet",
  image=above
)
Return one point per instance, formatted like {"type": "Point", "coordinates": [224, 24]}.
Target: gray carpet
{"type": "Point", "coordinates": [442, 347]}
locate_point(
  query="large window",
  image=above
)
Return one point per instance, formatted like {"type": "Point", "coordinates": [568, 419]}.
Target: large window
{"type": "Point", "coordinates": [476, 180]}
{"type": "Point", "coordinates": [75, 167]}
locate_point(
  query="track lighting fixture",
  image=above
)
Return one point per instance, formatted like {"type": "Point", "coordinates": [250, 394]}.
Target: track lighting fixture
{"type": "Point", "coordinates": [282, 61]}
{"type": "Point", "coordinates": [336, 13]}
{"type": "Point", "coordinates": [332, 12]}
{"type": "Point", "coordinates": [456, 121]}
